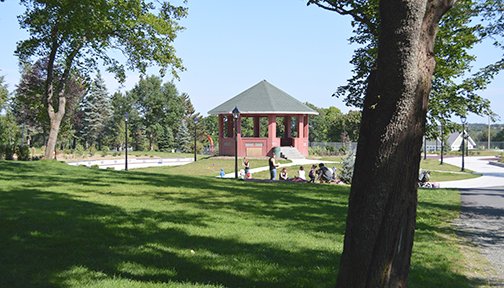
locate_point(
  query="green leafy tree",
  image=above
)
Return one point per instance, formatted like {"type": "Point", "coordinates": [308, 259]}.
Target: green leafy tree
{"type": "Point", "coordinates": [82, 34]}
{"type": "Point", "coordinates": [394, 68]}
{"type": "Point", "coordinates": [318, 125]}
{"type": "Point", "coordinates": [160, 105]}
{"type": "Point", "coordinates": [30, 109]}
{"type": "Point", "coordinates": [499, 137]}
{"type": "Point", "coordinates": [3, 92]}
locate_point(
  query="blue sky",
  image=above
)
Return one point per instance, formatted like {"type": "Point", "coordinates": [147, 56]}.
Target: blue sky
{"type": "Point", "coordinates": [228, 46]}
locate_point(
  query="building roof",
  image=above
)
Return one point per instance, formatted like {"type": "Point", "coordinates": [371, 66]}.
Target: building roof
{"type": "Point", "coordinates": [263, 98]}
{"type": "Point", "coordinates": [457, 136]}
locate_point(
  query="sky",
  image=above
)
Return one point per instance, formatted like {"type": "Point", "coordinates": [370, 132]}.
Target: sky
{"type": "Point", "coordinates": [229, 45]}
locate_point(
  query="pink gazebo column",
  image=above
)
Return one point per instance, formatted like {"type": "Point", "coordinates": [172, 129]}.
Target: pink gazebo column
{"type": "Point", "coordinates": [241, 146]}
{"type": "Point", "coordinates": [302, 139]}
{"type": "Point", "coordinates": [300, 126]}
{"type": "Point", "coordinates": [306, 127]}
{"type": "Point", "coordinates": [221, 134]}
{"type": "Point", "coordinates": [273, 141]}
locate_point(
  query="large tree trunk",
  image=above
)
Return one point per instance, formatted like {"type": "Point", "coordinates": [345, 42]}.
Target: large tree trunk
{"type": "Point", "coordinates": [383, 198]}
{"type": "Point", "coordinates": [55, 118]}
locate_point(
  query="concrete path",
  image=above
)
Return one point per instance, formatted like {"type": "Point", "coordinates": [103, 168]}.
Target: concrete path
{"type": "Point", "coordinates": [482, 214]}
{"type": "Point", "coordinates": [134, 163]}
{"type": "Point", "coordinates": [492, 175]}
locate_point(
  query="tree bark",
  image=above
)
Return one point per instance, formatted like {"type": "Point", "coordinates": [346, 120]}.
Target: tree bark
{"type": "Point", "coordinates": [383, 198]}
{"type": "Point", "coordinates": [55, 118]}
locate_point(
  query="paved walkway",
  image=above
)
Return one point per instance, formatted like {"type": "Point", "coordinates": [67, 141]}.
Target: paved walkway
{"type": "Point", "coordinates": [482, 214]}
{"type": "Point", "coordinates": [492, 175]}
{"type": "Point", "coordinates": [134, 163]}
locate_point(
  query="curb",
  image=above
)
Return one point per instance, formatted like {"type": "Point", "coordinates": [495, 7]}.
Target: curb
{"type": "Point", "coordinates": [496, 164]}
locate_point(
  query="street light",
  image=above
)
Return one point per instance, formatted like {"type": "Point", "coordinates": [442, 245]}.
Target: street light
{"type": "Point", "coordinates": [442, 143]}
{"type": "Point", "coordinates": [463, 119]}
{"type": "Point", "coordinates": [196, 120]}
{"type": "Point", "coordinates": [236, 115]}
{"type": "Point", "coordinates": [126, 118]}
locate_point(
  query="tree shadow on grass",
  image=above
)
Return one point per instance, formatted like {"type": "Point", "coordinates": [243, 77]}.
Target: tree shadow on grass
{"type": "Point", "coordinates": [45, 234]}
{"type": "Point", "coordinates": [49, 234]}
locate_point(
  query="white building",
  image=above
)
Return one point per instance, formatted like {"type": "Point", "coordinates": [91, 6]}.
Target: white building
{"type": "Point", "coordinates": [455, 141]}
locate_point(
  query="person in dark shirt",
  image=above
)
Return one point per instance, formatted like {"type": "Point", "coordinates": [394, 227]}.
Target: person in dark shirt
{"type": "Point", "coordinates": [272, 167]}
{"type": "Point", "coordinates": [324, 174]}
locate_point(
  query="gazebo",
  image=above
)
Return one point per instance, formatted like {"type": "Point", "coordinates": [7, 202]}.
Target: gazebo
{"type": "Point", "coordinates": [269, 118]}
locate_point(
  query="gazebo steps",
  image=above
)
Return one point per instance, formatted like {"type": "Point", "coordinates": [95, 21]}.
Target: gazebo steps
{"type": "Point", "coordinates": [288, 152]}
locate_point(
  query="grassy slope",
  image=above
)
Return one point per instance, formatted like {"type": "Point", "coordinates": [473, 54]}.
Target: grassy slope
{"type": "Point", "coordinates": [66, 226]}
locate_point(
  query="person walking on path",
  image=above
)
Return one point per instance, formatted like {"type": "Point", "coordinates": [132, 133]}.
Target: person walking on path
{"type": "Point", "coordinates": [272, 166]}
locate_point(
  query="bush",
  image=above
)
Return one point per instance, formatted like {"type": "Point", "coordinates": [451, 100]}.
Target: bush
{"type": "Point", "coordinates": [23, 153]}
{"type": "Point", "coordinates": [105, 151]}
{"type": "Point", "coordinates": [2, 151]}
{"type": "Point", "coordinates": [79, 150]}
{"type": "Point", "coordinates": [347, 169]}
{"type": "Point", "coordinates": [95, 166]}
{"type": "Point", "coordinates": [92, 150]}
{"type": "Point", "coordinates": [9, 152]}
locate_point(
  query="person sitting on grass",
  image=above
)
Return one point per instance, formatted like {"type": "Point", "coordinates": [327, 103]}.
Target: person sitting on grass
{"type": "Point", "coordinates": [313, 173]}
{"type": "Point", "coordinates": [283, 174]}
{"type": "Point", "coordinates": [324, 174]}
{"type": "Point", "coordinates": [300, 177]}
{"type": "Point", "coordinates": [301, 173]}
{"type": "Point", "coordinates": [246, 164]}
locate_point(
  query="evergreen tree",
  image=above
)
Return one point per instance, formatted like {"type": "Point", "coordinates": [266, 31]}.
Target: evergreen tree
{"type": "Point", "coordinates": [96, 112]}
{"type": "Point", "coordinates": [166, 141]}
{"type": "Point", "coordinates": [348, 167]}
{"type": "Point", "coordinates": [183, 138]}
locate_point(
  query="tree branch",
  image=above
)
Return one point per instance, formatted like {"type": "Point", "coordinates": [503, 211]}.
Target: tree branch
{"type": "Point", "coordinates": [342, 11]}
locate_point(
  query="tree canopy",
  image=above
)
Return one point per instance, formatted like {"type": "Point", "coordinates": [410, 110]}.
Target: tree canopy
{"type": "Point", "coordinates": [455, 91]}
{"type": "Point", "coordinates": [82, 35]}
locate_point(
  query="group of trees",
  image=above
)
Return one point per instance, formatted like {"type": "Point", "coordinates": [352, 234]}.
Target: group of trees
{"type": "Point", "coordinates": [395, 79]}
{"type": "Point", "coordinates": [332, 125]}
{"type": "Point", "coordinates": [479, 132]}
{"type": "Point", "coordinates": [159, 116]}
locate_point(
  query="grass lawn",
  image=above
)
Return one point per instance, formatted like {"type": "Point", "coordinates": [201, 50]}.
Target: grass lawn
{"type": "Point", "coordinates": [210, 166]}
{"type": "Point", "coordinates": [65, 226]}
{"type": "Point", "coordinates": [445, 172]}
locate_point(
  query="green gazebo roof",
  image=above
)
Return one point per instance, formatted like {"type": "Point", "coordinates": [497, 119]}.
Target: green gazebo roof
{"type": "Point", "coordinates": [263, 98]}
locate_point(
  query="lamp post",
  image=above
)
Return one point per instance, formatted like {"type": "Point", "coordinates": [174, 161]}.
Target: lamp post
{"type": "Point", "coordinates": [442, 143]}
{"type": "Point", "coordinates": [463, 119]}
{"type": "Point", "coordinates": [236, 115]}
{"type": "Point", "coordinates": [196, 120]}
{"type": "Point", "coordinates": [126, 118]}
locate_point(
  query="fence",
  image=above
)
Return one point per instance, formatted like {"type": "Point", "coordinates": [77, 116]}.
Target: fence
{"type": "Point", "coordinates": [483, 145]}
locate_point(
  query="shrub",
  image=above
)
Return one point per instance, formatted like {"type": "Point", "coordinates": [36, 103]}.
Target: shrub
{"type": "Point", "coordinates": [92, 150]}
{"type": "Point", "coordinates": [23, 153]}
{"type": "Point", "coordinates": [105, 151]}
{"type": "Point", "coordinates": [9, 152]}
{"type": "Point", "coordinates": [2, 151]}
{"type": "Point", "coordinates": [347, 169]}
{"type": "Point", "coordinates": [79, 150]}
{"type": "Point", "coordinates": [95, 166]}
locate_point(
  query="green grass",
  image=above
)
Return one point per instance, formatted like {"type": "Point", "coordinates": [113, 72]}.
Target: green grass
{"type": "Point", "coordinates": [64, 226]}
{"type": "Point", "coordinates": [445, 172]}
{"type": "Point", "coordinates": [210, 166]}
